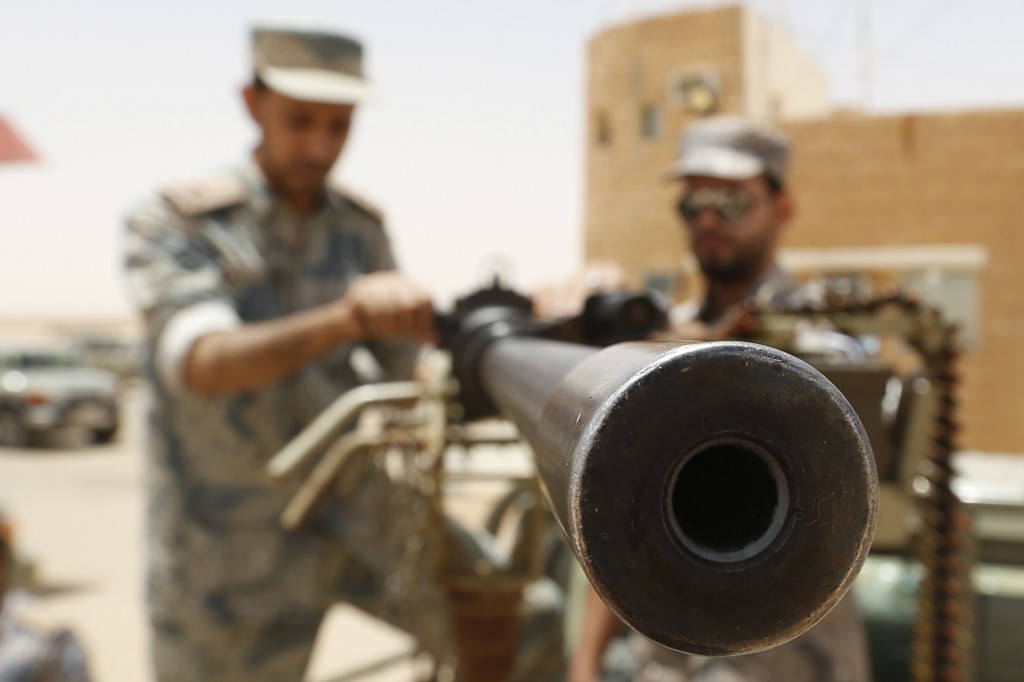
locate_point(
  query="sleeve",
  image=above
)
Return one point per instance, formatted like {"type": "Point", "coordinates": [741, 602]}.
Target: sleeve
{"type": "Point", "coordinates": [177, 285]}
{"type": "Point", "coordinates": [397, 358]}
{"type": "Point", "coordinates": [66, 660]}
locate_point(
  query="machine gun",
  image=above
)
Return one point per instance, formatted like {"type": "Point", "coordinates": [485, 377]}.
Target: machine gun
{"type": "Point", "coordinates": [721, 497]}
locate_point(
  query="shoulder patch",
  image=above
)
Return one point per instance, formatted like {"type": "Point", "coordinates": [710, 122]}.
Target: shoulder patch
{"type": "Point", "coordinates": [358, 200]}
{"type": "Point", "coordinates": [196, 197]}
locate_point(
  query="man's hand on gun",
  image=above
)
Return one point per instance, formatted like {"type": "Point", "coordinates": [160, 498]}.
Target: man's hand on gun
{"type": "Point", "coordinates": [565, 298]}
{"type": "Point", "coordinates": [389, 304]}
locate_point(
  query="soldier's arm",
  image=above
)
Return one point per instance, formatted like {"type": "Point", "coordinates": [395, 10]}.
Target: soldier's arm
{"type": "Point", "coordinates": [396, 356]}
{"type": "Point", "coordinates": [199, 341]}
{"type": "Point", "coordinates": [600, 626]}
{"type": "Point", "coordinates": [381, 305]}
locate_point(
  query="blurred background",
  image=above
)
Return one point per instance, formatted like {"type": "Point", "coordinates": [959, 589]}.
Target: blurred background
{"type": "Point", "coordinates": [526, 138]}
{"type": "Point", "coordinates": [477, 139]}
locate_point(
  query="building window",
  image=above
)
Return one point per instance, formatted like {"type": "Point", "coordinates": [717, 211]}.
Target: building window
{"type": "Point", "coordinates": [602, 129]}
{"type": "Point", "coordinates": [650, 122]}
{"type": "Point", "coordinates": [698, 92]}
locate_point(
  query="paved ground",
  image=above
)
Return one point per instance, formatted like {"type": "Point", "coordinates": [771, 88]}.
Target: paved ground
{"type": "Point", "coordinates": [78, 516]}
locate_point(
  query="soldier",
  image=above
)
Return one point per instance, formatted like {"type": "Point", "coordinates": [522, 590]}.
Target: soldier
{"type": "Point", "coordinates": [262, 290]}
{"type": "Point", "coordinates": [735, 205]}
{"type": "Point", "coordinates": [30, 652]}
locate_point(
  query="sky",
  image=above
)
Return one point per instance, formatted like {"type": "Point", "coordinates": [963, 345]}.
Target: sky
{"type": "Point", "coordinates": [474, 149]}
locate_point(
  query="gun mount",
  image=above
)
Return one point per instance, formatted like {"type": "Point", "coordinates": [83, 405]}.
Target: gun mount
{"type": "Point", "coordinates": [721, 497]}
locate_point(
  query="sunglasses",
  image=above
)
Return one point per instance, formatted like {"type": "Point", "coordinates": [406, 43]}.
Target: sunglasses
{"type": "Point", "coordinates": [731, 204]}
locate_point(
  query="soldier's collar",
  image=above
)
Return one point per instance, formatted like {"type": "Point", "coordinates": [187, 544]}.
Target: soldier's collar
{"type": "Point", "coordinates": [265, 200]}
{"type": "Point", "coordinates": [261, 196]}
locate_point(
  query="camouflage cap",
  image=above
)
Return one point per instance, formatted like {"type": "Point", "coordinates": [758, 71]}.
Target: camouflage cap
{"type": "Point", "coordinates": [309, 62]}
{"type": "Point", "coordinates": [732, 148]}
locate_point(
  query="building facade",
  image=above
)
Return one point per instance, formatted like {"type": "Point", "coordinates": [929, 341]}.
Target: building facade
{"type": "Point", "coordinates": [931, 201]}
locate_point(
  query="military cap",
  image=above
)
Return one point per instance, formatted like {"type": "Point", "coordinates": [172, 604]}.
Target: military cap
{"type": "Point", "coordinates": [310, 62]}
{"type": "Point", "coordinates": [732, 148]}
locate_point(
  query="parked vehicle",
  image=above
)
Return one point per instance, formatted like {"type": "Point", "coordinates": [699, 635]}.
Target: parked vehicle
{"type": "Point", "coordinates": [123, 356]}
{"type": "Point", "coordinates": [46, 391]}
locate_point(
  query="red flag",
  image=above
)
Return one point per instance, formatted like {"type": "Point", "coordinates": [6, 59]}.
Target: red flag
{"type": "Point", "coordinates": [12, 147]}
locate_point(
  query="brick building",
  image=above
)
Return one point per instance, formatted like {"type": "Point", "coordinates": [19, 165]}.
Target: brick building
{"type": "Point", "coordinates": [932, 201]}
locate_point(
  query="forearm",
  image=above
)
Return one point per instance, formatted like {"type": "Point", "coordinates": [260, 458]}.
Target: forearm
{"type": "Point", "coordinates": [600, 626]}
{"type": "Point", "coordinates": [257, 355]}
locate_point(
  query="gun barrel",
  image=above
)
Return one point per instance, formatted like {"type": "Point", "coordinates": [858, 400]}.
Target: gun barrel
{"type": "Point", "coordinates": [721, 497]}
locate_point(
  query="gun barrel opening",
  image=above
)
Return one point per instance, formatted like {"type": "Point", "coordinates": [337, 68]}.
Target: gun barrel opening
{"type": "Point", "coordinates": [728, 501]}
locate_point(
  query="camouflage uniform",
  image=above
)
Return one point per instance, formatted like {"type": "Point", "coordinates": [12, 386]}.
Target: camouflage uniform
{"type": "Point", "coordinates": [777, 289]}
{"type": "Point", "coordinates": [231, 595]}
{"type": "Point", "coordinates": [835, 649]}
{"type": "Point", "coordinates": [33, 654]}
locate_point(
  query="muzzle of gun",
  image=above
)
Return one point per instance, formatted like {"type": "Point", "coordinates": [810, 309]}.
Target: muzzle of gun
{"type": "Point", "coordinates": [720, 496]}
